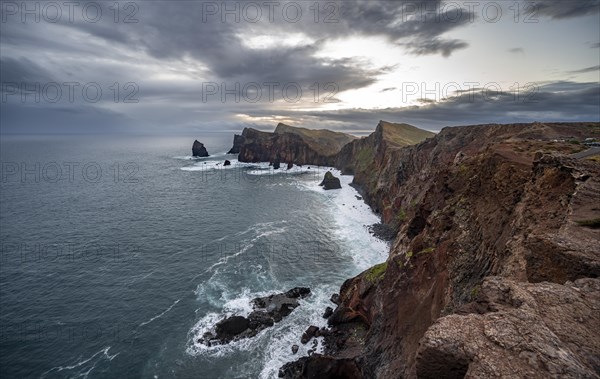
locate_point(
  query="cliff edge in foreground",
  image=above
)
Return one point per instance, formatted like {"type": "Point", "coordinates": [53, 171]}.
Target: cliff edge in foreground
{"type": "Point", "coordinates": [494, 269]}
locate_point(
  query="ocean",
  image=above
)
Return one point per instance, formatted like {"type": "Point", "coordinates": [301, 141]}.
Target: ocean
{"type": "Point", "coordinates": [117, 254]}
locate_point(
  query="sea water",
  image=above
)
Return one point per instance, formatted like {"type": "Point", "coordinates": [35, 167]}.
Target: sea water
{"type": "Point", "coordinates": [119, 253]}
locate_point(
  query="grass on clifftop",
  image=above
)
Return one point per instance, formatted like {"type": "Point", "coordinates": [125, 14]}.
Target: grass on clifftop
{"type": "Point", "coordinates": [404, 134]}
{"type": "Point", "coordinates": [323, 141]}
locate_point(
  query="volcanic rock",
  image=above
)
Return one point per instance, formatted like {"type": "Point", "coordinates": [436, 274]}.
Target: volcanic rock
{"type": "Point", "coordinates": [330, 182]}
{"type": "Point", "coordinates": [198, 149]}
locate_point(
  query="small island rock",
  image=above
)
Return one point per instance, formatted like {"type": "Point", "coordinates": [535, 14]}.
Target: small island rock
{"type": "Point", "coordinates": [198, 149]}
{"type": "Point", "coordinates": [330, 182]}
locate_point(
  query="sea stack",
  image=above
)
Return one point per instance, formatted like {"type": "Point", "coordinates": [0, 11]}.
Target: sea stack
{"type": "Point", "coordinates": [198, 149]}
{"type": "Point", "coordinates": [330, 182]}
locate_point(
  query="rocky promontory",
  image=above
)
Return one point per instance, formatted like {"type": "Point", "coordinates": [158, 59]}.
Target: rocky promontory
{"type": "Point", "coordinates": [494, 268]}
{"type": "Point", "coordinates": [290, 145]}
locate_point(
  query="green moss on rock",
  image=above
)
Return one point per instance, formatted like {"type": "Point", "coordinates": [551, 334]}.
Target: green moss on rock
{"type": "Point", "coordinates": [376, 272]}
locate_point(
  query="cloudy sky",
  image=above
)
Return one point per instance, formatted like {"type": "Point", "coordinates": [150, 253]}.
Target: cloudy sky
{"type": "Point", "coordinates": [189, 66]}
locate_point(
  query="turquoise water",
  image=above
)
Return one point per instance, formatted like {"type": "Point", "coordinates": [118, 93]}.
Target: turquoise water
{"type": "Point", "coordinates": [117, 254]}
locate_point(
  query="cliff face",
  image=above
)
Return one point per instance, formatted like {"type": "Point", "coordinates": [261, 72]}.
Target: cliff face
{"type": "Point", "coordinates": [494, 268]}
{"type": "Point", "coordinates": [372, 159]}
{"type": "Point", "coordinates": [237, 144]}
{"type": "Point", "coordinates": [290, 145]}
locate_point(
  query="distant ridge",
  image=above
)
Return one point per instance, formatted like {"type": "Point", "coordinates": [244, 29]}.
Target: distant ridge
{"type": "Point", "coordinates": [294, 145]}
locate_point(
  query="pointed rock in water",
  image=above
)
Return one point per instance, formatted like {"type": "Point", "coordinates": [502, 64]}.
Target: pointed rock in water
{"type": "Point", "coordinates": [295, 349]}
{"type": "Point", "coordinates": [330, 182]}
{"type": "Point", "coordinates": [227, 163]}
{"type": "Point", "coordinates": [198, 149]}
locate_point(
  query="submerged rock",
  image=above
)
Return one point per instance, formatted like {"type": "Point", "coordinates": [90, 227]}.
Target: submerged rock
{"type": "Point", "coordinates": [295, 349]}
{"type": "Point", "coordinates": [198, 149]}
{"type": "Point", "coordinates": [330, 182]}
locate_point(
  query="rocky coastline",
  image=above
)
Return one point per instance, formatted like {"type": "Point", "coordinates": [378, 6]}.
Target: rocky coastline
{"type": "Point", "coordinates": [493, 268]}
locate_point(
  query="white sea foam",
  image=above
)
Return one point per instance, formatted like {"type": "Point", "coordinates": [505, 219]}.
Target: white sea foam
{"type": "Point", "coordinates": [210, 163]}
{"type": "Point", "coordinates": [160, 314]}
{"type": "Point", "coordinates": [80, 365]}
{"type": "Point", "coordinates": [351, 216]}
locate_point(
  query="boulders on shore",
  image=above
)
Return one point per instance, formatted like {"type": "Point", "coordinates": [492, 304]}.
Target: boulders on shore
{"type": "Point", "coordinates": [198, 149]}
{"type": "Point", "coordinates": [267, 311]}
{"type": "Point", "coordinates": [330, 182]}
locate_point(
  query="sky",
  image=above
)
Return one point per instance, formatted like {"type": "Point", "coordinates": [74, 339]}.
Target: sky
{"type": "Point", "coordinates": [184, 67]}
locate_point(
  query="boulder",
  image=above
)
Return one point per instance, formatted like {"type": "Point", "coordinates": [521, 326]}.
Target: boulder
{"type": "Point", "coordinates": [309, 334]}
{"type": "Point", "coordinates": [328, 312]}
{"type": "Point", "coordinates": [227, 163]}
{"type": "Point", "coordinates": [290, 165]}
{"type": "Point", "coordinates": [198, 149]}
{"type": "Point", "coordinates": [276, 165]}
{"type": "Point", "coordinates": [295, 349]}
{"type": "Point", "coordinates": [335, 299]}
{"type": "Point", "coordinates": [330, 182]}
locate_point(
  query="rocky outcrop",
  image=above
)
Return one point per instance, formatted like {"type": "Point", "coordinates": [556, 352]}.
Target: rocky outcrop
{"type": "Point", "coordinates": [320, 367]}
{"type": "Point", "coordinates": [534, 330]}
{"type": "Point", "coordinates": [493, 271]}
{"type": "Point", "coordinates": [290, 145]}
{"type": "Point", "coordinates": [267, 311]}
{"type": "Point", "coordinates": [330, 182]}
{"type": "Point", "coordinates": [198, 149]}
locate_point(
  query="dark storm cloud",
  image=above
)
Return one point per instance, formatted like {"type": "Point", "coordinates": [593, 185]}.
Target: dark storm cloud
{"type": "Point", "coordinates": [561, 9]}
{"type": "Point", "coordinates": [174, 47]}
{"type": "Point", "coordinates": [436, 46]}
{"type": "Point", "coordinates": [22, 70]}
